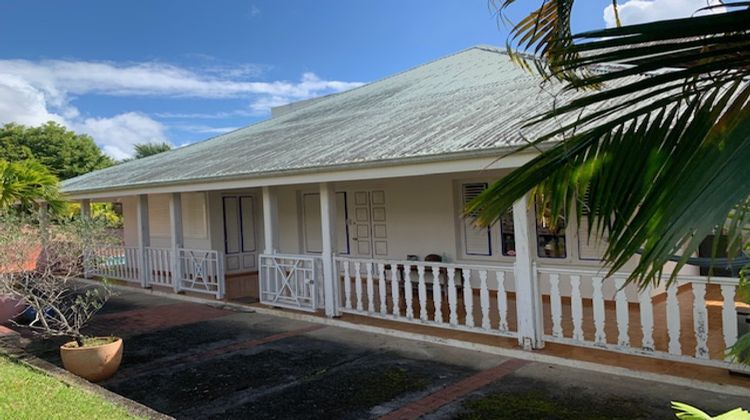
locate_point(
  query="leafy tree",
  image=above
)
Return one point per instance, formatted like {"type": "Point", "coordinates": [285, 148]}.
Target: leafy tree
{"type": "Point", "coordinates": [66, 153]}
{"type": "Point", "coordinates": [143, 150]}
{"type": "Point", "coordinates": [25, 183]}
{"type": "Point", "coordinates": [654, 133]}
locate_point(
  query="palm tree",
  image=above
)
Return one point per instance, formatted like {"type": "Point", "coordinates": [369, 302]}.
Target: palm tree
{"type": "Point", "coordinates": [654, 135]}
{"type": "Point", "coordinates": [143, 150]}
{"type": "Point", "coordinates": [25, 183]}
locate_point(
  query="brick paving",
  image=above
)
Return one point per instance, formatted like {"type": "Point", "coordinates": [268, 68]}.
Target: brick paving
{"type": "Point", "coordinates": [155, 318]}
{"type": "Point", "coordinates": [454, 392]}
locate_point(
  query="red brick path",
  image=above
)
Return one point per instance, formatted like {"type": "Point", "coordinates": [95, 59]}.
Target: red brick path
{"type": "Point", "coordinates": [155, 318]}
{"type": "Point", "coordinates": [453, 392]}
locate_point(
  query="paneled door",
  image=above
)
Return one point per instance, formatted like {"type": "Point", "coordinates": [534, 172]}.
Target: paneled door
{"type": "Point", "coordinates": [369, 224]}
{"type": "Point", "coordinates": [239, 233]}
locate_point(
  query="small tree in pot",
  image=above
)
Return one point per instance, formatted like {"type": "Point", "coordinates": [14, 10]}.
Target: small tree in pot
{"type": "Point", "coordinates": [57, 307]}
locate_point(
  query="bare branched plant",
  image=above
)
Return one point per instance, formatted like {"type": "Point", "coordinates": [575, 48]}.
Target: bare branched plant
{"type": "Point", "coordinates": [39, 265]}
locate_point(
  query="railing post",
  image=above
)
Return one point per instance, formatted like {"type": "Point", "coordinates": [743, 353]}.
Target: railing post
{"type": "Point", "coordinates": [328, 227]}
{"type": "Point", "coordinates": [144, 239]}
{"type": "Point", "coordinates": [175, 213]}
{"type": "Point", "coordinates": [528, 298]}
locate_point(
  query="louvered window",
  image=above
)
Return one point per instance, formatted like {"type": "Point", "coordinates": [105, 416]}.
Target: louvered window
{"type": "Point", "coordinates": [477, 241]}
{"type": "Point", "coordinates": [589, 247]}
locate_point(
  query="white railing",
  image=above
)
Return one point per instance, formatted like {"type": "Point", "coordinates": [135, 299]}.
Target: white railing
{"type": "Point", "coordinates": [201, 271]}
{"type": "Point", "coordinates": [291, 281]}
{"type": "Point", "coordinates": [159, 266]}
{"type": "Point", "coordinates": [456, 296]}
{"type": "Point", "coordinates": [610, 315]}
{"type": "Point", "coordinates": [114, 262]}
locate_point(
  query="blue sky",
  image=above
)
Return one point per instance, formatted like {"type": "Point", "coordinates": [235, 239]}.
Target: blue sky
{"type": "Point", "coordinates": [129, 72]}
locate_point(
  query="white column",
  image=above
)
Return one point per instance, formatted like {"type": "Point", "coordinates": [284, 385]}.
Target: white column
{"type": "Point", "coordinates": [86, 215]}
{"type": "Point", "coordinates": [86, 208]}
{"type": "Point", "coordinates": [328, 230]}
{"type": "Point", "coordinates": [270, 220]}
{"type": "Point", "coordinates": [175, 229]}
{"type": "Point", "coordinates": [144, 239]}
{"type": "Point", "coordinates": [528, 300]}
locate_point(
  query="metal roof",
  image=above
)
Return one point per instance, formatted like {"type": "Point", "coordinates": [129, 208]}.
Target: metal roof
{"type": "Point", "coordinates": [471, 102]}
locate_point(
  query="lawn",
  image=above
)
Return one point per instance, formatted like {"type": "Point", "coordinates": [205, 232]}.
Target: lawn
{"type": "Point", "coordinates": [29, 394]}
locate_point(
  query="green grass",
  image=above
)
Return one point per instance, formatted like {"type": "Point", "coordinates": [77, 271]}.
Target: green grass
{"type": "Point", "coordinates": [28, 394]}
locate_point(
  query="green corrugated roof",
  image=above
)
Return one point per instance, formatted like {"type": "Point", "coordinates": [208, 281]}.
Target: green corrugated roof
{"type": "Point", "coordinates": [474, 101]}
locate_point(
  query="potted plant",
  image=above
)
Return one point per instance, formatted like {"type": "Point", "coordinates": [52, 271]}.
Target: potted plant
{"type": "Point", "coordinates": [57, 305]}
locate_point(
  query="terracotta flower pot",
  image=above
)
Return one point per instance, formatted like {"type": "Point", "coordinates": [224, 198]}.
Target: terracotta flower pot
{"type": "Point", "coordinates": [10, 307]}
{"type": "Point", "coordinates": [94, 363]}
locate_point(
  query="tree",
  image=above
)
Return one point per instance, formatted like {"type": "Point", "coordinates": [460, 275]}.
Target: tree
{"type": "Point", "coordinates": [40, 265]}
{"type": "Point", "coordinates": [25, 183]}
{"type": "Point", "coordinates": [654, 135]}
{"type": "Point", "coordinates": [143, 150]}
{"type": "Point", "coordinates": [66, 153]}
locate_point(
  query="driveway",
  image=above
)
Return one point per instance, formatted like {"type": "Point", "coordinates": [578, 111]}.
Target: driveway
{"type": "Point", "coordinates": [196, 361]}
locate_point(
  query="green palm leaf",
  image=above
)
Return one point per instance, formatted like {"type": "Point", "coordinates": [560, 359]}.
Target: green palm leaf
{"type": "Point", "coordinates": [654, 134]}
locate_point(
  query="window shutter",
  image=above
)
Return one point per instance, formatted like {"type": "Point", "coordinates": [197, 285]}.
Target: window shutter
{"type": "Point", "coordinates": [476, 241]}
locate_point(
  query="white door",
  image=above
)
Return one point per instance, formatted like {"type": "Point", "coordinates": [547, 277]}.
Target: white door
{"type": "Point", "coordinates": [239, 233]}
{"type": "Point", "coordinates": [369, 225]}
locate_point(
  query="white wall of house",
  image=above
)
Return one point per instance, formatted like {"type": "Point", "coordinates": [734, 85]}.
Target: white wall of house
{"type": "Point", "coordinates": [195, 220]}
{"type": "Point", "coordinates": [416, 216]}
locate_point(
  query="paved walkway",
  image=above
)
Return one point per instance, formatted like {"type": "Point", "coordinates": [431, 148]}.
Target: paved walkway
{"type": "Point", "coordinates": [195, 361]}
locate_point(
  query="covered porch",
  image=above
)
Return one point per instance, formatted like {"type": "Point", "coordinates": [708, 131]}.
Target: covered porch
{"type": "Point", "coordinates": [396, 249]}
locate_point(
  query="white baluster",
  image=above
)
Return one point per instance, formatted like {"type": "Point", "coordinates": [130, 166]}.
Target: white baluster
{"type": "Point", "coordinates": [576, 307]}
{"type": "Point", "coordinates": [394, 290]}
{"type": "Point", "coordinates": [700, 320]}
{"type": "Point", "coordinates": [381, 289]}
{"type": "Point", "coordinates": [673, 320]}
{"type": "Point", "coordinates": [623, 314]}
{"type": "Point", "coordinates": [452, 301]}
{"type": "Point", "coordinates": [600, 336]}
{"type": "Point", "coordinates": [347, 285]}
{"type": "Point", "coordinates": [408, 292]}
{"type": "Point", "coordinates": [647, 318]}
{"type": "Point", "coordinates": [502, 301]}
{"type": "Point", "coordinates": [437, 297]}
{"type": "Point", "coordinates": [422, 289]}
{"type": "Point", "coordinates": [729, 316]}
{"type": "Point", "coordinates": [484, 299]}
{"type": "Point", "coordinates": [370, 290]}
{"type": "Point", "coordinates": [358, 284]}
{"type": "Point", "coordinates": [468, 298]}
{"type": "Point", "coordinates": [555, 305]}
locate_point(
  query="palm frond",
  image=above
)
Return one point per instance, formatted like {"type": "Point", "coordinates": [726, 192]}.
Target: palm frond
{"type": "Point", "coordinates": [657, 152]}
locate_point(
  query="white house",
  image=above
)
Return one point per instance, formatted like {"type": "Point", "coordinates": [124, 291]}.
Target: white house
{"type": "Point", "coordinates": [352, 203]}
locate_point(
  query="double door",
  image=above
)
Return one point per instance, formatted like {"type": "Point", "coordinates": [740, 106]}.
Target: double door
{"type": "Point", "coordinates": [369, 231]}
{"type": "Point", "coordinates": [240, 244]}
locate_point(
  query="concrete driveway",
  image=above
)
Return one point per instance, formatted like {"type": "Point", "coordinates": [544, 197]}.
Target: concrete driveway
{"type": "Point", "coordinates": [195, 361]}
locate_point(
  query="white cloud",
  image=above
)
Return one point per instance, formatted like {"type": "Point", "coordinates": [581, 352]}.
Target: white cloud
{"type": "Point", "coordinates": [641, 11]}
{"type": "Point", "coordinates": [22, 103]}
{"type": "Point", "coordinates": [119, 134]}
{"type": "Point", "coordinates": [33, 92]}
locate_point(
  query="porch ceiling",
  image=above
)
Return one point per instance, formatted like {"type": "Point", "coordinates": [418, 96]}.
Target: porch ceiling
{"type": "Point", "coordinates": [473, 102]}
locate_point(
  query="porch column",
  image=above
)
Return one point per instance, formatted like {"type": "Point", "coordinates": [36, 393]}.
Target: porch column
{"type": "Point", "coordinates": [528, 300]}
{"type": "Point", "coordinates": [175, 229]}
{"type": "Point", "coordinates": [86, 216]}
{"type": "Point", "coordinates": [270, 220]}
{"type": "Point", "coordinates": [328, 228]}
{"type": "Point", "coordinates": [144, 239]}
{"type": "Point", "coordinates": [86, 208]}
